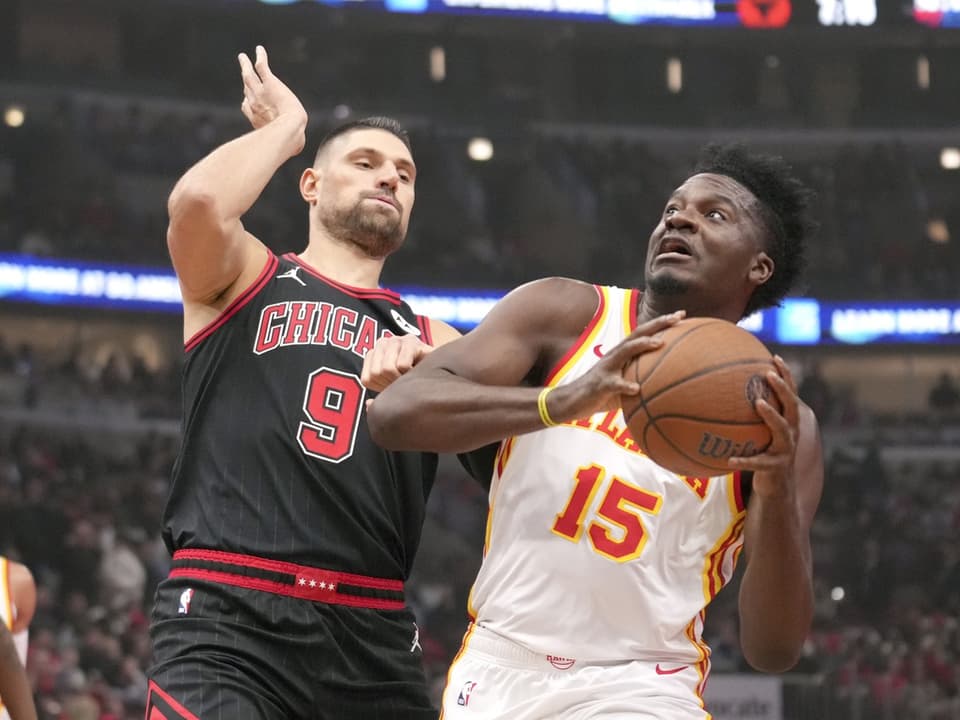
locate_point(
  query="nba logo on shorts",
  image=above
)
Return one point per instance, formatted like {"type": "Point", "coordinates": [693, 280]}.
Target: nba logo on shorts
{"type": "Point", "coordinates": [464, 697]}
{"type": "Point", "coordinates": [185, 597]}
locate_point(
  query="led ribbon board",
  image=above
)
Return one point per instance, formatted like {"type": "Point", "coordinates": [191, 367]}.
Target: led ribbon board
{"type": "Point", "coordinates": [799, 321]}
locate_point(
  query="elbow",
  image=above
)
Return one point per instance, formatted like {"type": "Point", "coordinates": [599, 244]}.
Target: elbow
{"type": "Point", "coordinates": [773, 656]}
{"type": "Point", "coordinates": [774, 661]}
{"type": "Point", "coordinates": [386, 423]}
{"type": "Point", "coordinates": [190, 200]}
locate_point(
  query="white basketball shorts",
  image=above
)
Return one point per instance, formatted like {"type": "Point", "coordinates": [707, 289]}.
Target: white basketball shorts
{"type": "Point", "coordinates": [495, 679]}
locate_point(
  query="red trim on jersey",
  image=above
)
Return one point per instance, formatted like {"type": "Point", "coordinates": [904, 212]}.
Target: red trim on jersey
{"type": "Point", "coordinates": [715, 568]}
{"type": "Point", "coordinates": [359, 293]}
{"type": "Point", "coordinates": [634, 308]}
{"type": "Point", "coordinates": [423, 322]}
{"type": "Point", "coordinates": [601, 305]}
{"type": "Point", "coordinates": [154, 688]}
{"type": "Point", "coordinates": [232, 309]}
{"type": "Point", "coordinates": [738, 491]}
{"type": "Point", "coordinates": [309, 583]}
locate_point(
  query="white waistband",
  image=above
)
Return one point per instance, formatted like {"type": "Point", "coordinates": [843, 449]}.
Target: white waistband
{"type": "Point", "coordinates": [507, 652]}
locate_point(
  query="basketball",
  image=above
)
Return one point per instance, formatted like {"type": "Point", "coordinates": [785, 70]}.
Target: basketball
{"type": "Point", "coordinates": [695, 408]}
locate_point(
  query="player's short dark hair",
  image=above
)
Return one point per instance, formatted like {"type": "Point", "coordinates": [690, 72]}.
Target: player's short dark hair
{"type": "Point", "coordinates": [374, 122]}
{"type": "Point", "coordinates": [785, 206]}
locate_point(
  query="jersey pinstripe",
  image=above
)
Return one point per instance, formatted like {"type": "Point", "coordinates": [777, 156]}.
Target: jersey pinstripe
{"type": "Point", "coordinates": [593, 552]}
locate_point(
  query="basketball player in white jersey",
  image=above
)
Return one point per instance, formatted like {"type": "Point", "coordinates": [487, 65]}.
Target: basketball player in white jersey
{"type": "Point", "coordinates": [598, 564]}
{"type": "Point", "coordinates": [18, 599]}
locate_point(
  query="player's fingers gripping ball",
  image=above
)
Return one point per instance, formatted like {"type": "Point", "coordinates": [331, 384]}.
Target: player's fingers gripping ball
{"type": "Point", "coordinates": [696, 405]}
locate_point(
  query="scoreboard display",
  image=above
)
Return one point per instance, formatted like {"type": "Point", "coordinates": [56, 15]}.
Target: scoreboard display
{"type": "Point", "coordinates": [937, 13]}
{"type": "Point", "coordinates": [755, 14]}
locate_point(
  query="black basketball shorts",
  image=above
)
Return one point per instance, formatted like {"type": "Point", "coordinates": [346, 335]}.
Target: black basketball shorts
{"type": "Point", "coordinates": [237, 637]}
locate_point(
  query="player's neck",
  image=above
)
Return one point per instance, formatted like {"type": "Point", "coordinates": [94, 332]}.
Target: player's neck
{"type": "Point", "coordinates": [344, 263]}
{"type": "Point", "coordinates": [651, 305]}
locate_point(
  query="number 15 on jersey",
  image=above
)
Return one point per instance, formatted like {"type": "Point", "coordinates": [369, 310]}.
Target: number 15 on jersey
{"type": "Point", "coordinates": [618, 533]}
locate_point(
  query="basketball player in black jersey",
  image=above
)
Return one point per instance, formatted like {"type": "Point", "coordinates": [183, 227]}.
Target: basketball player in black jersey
{"type": "Point", "coordinates": [291, 532]}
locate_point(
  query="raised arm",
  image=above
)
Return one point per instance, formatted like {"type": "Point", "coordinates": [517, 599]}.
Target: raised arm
{"type": "Point", "coordinates": [485, 386]}
{"type": "Point", "coordinates": [212, 253]}
{"type": "Point", "coordinates": [776, 594]}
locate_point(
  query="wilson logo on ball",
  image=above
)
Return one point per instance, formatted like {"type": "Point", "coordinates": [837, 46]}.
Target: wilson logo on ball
{"type": "Point", "coordinates": [712, 446]}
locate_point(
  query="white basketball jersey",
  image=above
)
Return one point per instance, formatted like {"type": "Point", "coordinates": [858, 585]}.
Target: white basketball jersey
{"type": "Point", "coordinates": [593, 552]}
{"type": "Point", "coordinates": [7, 616]}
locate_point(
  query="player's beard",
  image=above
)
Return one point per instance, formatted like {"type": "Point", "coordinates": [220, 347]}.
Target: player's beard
{"type": "Point", "coordinates": [375, 231]}
{"type": "Point", "coordinates": [666, 284]}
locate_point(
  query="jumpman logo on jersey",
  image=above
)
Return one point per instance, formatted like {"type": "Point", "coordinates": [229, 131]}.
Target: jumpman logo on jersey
{"type": "Point", "coordinates": [292, 274]}
{"type": "Point", "coordinates": [416, 639]}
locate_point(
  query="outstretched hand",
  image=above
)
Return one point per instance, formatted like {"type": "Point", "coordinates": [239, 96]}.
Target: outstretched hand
{"type": "Point", "coordinates": [773, 468]}
{"type": "Point", "coordinates": [265, 96]}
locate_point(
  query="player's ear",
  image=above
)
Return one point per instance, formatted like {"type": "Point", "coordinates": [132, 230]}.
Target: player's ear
{"type": "Point", "coordinates": [310, 185]}
{"type": "Point", "coordinates": [762, 269]}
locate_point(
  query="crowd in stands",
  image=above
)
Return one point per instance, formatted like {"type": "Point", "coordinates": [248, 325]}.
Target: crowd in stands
{"type": "Point", "coordinates": [88, 178]}
{"type": "Point", "coordinates": [80, 506]}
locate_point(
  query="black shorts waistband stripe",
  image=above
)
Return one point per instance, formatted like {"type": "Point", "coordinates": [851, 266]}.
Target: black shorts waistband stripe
{"type": "Point", "coordinates": [279, 577]}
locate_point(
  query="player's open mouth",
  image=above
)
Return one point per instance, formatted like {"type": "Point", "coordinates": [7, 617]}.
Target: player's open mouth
{"type": "Point", "coordinates": [673, 249]}
{"type": "Point", "coordinates": [674, 245]}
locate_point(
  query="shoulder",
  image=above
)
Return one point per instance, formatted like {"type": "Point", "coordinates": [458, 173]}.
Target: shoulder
{"type": "Point", "coordinates": [441, 333]}
{"type": "Point", "coordinates": [552, 303]}
{"type": "Point", "coordinates": [555, 300]}
{"type": "Point", "coordinates": [23, 591]}
{"type": "Point", "coordinates": [557, 285]}
{"type": "Point", "coordinates": [20, 576]}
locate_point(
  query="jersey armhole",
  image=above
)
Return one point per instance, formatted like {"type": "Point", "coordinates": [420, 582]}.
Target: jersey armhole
{"type": "Point", "coordinates": [242, 299]}
{"type": "Point", "coordinates": [591, 329]}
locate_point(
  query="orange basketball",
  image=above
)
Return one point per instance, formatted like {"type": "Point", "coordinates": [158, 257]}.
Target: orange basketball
{"type": "Point", "coordinates": [695, 408]}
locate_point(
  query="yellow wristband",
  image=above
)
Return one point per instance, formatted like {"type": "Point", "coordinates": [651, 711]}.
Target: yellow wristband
{"type": "Point", "coordinates": [542, 407]}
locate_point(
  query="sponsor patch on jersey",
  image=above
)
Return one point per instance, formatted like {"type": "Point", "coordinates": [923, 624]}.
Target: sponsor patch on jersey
{"type": "Point", "coordinates": [185, 598]}
{"type": "Point", "coordinates": [560, 663]}
{"type": "Point", "coordinates": [463, 699]}
{"type": "Point", "coordinates": [404, 324]}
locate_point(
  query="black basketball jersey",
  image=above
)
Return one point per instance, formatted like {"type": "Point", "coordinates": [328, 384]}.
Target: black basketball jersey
{"type": "Point", "coordinates": [276, 459]}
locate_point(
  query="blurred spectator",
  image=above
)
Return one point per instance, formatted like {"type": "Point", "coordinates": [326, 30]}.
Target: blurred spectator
{"type": "Point", "coordinates": [816, 392]}
{"type": "Point", "coordinates": [944, 396]}
{"type": "Point", "coordinates": [122, 574]}
{"type": "Point", "coordinates": [545, 204]}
